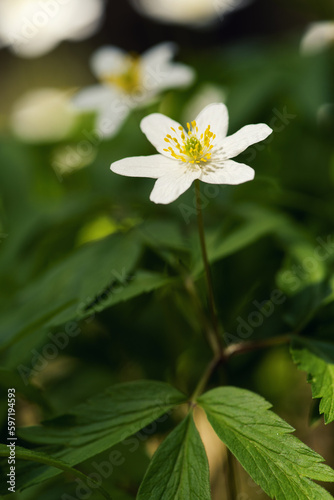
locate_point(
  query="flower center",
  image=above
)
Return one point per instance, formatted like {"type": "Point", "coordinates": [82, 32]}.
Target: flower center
{"type": "Point", "coordinates": [192, 148]}
{"type": "Point", "coordinates": [128, 80]}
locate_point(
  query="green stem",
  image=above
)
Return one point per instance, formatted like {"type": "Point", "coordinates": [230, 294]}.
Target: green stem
{"type": "Point", "coordinates": [205, 378]}
{"type": "Point", "coordinates": [202, 316]}
{"type": "Point", "coordinates": [213, 336]}
{"type": "Point", "coordinates": [249, 346]}
{"type": "Point", "coordinates": [225, 354]}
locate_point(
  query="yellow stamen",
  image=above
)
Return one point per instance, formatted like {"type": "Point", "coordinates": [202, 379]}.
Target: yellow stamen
{"type": "Point", "coordinates": [193, 149]}
{"type": "Point", "coordinates": [130, 79]}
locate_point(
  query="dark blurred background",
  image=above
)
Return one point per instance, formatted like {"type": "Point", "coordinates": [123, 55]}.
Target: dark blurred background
{"type": "Point", "coordinates": [253, 53]}
{"type": "Point", "coordinates": [258, 22]}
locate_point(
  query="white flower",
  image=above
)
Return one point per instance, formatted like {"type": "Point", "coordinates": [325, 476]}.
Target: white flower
{"type": "Point", "coordinates": [43, 115]}
{"type": "Point", "coordinates": [189, 12]}
{"type": "Point", "coordinates": [31, 28]}
{"type": "Point", "coordinates": [318, 37]}
{"type": "Point", "coordinates": [201, 152]}
{"type": "Point", "coordinates": [129, 81]}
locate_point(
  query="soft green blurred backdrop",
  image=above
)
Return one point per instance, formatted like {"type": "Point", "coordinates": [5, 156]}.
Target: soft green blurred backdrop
{"type": "Point", "coordinates": [58, 196]}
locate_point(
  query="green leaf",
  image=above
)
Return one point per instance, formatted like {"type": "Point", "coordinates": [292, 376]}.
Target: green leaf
{"type": "Point", "coordinates": [256, 224]}
{"type": "Point", "coordinates": [10, 378]}
{"type": "Point", "coordinates": [305, 305]}
{"type": "Point", "coordinates": [41, 458]}
{"type": "Point", "coordinates": [102, 422]}
{"type": "Point", "coordinates": [55, 298]}
{"type": "Point", "coordinates": [163, 234]}
{"type": "Point", "coordinates": [294, 276]}
{"type": "Point", "coordinates": [261, 441]}
{"type": "Point", "coordinates": [179, 469]}
{"type": "Point", "coordinates": [141, 282]}
{"type": "Point", "coordinates": [317, 359]}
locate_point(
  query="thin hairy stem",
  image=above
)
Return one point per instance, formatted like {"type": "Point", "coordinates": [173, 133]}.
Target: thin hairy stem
{"type": "Point", "coordinates": [215, 340]}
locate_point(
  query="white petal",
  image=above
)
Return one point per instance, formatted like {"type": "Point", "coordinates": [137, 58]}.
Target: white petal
{"type": "Point", "coordinates": [109, 105]}
{"type": "Point", "coordinates": [245, 137]}
{"type": "Point", "coordinates": [207, 93]}
{"type": "Point", "coordinates": [110, 120]}
{"type": "Point", "coordinates": [152, 167]}
{"type": "Point", "coordinates": [192, 12]}
{"type": "Point", "coordinates": [159, 54]}
{"type": "Point", "coordinates": [77, 19]}
{"type": "Point", "coordinates": [317, 37]}
{"type": "Point", "coordinates": [32, 27]}
{"type": "Point", "coordinates": [93, 97]}
{"type": "Point", "coordinates": [156, 126]}
{"type": "Point", "coordinates": [229, 172]}
{"type": "Point", "coordinates": [215, 115]}
{"type": "Point", "coordinates": [160, 72]}
{"type": "Point", "coordinates": [174, 75]}
{"type": "Point", "coordinates": [108, 60]}
{"type": "Point", "coordinates": [35, 47]}
{"type": "Point", "coordinates": [169, 187]}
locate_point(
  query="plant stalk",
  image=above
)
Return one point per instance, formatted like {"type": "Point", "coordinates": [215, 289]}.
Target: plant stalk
{"type": "Point", "coordinates": [213, 336]}
{"type": "Point", "coordinates": [205, 378]}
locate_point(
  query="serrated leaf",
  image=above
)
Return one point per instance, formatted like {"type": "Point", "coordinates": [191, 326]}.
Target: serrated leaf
{"type": "Point", "coordinates": [42, 458]}
{"type": "Point", "coordinates": [280, 463]}
{"type": "Point", "coordinates": [141, 282]}
{"type": "Point", "coordinates": [55, 297]}
{"type": "Point", "coordinates": [102, 422]}
{"type": "Point", "coordinates": [179, 469]}
{"type": "Point", "coordinates": [138, 283]}
{"type": "Point", "coordinates": [317, 359]}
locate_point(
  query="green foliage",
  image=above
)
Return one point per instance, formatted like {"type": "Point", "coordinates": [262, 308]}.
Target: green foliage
{"type": "Point", "coordinates": [255, 224]}
{"type": "Point", "coordinates": [89, 258]}
{"type": "Point", "coordinates": [41, 458]}
{"type": "Point", "coordinates": [179, 469]}
{"type": "Point", "coordinates": [73, 283]}
{"type": "Point", "coordinates": [280, 463]}
{"type": "Point", "coordinates": [316, 358]}
{"type": "Point", "coordinates": [102, 422]}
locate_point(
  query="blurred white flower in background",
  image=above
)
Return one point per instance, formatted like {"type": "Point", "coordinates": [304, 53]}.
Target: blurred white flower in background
{"type": "Point", "coordinates": [129, 81]}
{"type": "Point", "coordinates": [189, 12]}
{"type": "Point", "coordinates": [72, 157]}
{"type": "Point", "coordinates": [325, 116]}
{"type": "Point", "coordinates": [318, 37]}
{"type": "Point", "coordinates": [207, 93]}
{"type": "Point", "coordinates": [43, 115]}
{"type": "Point", "coordinates": [31, 28]}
